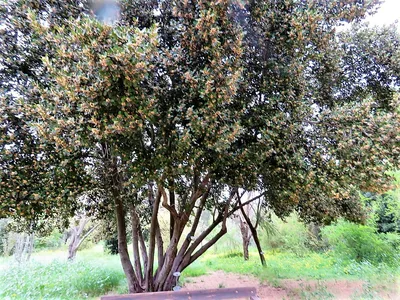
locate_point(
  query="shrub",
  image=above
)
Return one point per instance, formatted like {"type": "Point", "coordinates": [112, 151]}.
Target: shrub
{"type": "Point", "coordinates": [291, 235]}
{"type": "Point", "coordinates": [392, 239]}
{"type": "Point", "coordinates": [52, 241]}
{"type": "Point", "coordinates": [233, 254]}
{"type": "Point", "coordinates": [353, 242]}
{"type": "Point", "coordinates": [111, 246]}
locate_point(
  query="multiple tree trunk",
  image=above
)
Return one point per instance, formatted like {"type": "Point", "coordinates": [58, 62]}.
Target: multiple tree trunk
{"type": "Point", "coordinates": [148, 274]}
{"type": "Point", "coordinates": [23, 247]}
{"type": "Point", "coordinates": [77, 236]}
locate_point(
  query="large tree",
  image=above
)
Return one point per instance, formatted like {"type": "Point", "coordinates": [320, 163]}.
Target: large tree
{"type": "Point", "coordinates": [186, 104]}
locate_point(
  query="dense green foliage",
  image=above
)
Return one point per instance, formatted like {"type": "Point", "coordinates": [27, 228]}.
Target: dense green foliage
{"type": "Point", "coordinates": [91, 84]}
{"type": "Point", "coordinates": [385, 208]}
{"type": "Point", "coordinates": [184, 103]}
{"type": "Point", "coordinates": [353, 242]}
{"type": "Point", "coordinates": [111, 246]}
{"type": "Point", "coordinates": [51, 241]}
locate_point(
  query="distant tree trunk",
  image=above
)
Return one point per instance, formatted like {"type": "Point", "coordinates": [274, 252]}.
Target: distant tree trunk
{"type": "Point", "coordinates": [246, 234]}
{"type": "Point", "coordinates": [253, 229]}
{"type": "Point", "coordinates": [23, 247]}
{"type": "Point", "coordinates": [315, 230]}
{"type": "Point", "coordinates": [246, 243]}
{"type": "Point", "coordinates": [77, 237]}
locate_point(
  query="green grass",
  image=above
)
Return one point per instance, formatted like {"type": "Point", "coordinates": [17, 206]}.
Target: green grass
{"type": "Point", "coordinates": [195, 269]}
{"type": "Point", "coordinates": [91, 275]}
{"type": "Point", "coordinates": [279, 265]}
{"type": "Point", "coordinates": [94, 273]}
{"type": "Point", "coordinates": [286, 265]}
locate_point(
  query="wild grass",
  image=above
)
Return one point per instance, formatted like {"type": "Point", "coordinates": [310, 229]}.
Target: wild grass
{"type": "Point", "coordinates": [84, 278]}
{"type": "Point", "coordinates": [286, 265]}
{"type": "Point", "coordinates": [94, 273]}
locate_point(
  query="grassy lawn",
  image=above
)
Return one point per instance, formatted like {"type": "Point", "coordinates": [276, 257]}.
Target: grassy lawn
{"type": "Point", "coordinates": [287, 265]}
{"type": "Point", "coordinates": [49, 276]}
{"type": "Point", "coordinates": [94, 273]}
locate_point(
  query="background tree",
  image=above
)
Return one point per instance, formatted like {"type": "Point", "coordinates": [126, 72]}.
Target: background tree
{"type": "Point", "coordinates": [250, 217]}
{"type": "Point", "coordinates": [78, 234]}
{"type": "Point", "coordinates": [180, 105]}
{"type": "Point", "coordinates": [245, 232]}
{"type": "Point", "coordinates": [384, 208]}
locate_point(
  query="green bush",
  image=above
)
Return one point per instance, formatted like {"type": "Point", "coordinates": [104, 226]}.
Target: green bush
{"type": "Point", "coordinates": [233, 254]}
{"type": "Point", "coordinates": [392, 239]}
{"type": "Point", "coordinates": [52, 241]}
{"type": "Point", "coordinates": [290, 235]}
{"type": "Point", "coordinates": [353, 242]}
{"type": "Point", "coordinates": [111, 246]}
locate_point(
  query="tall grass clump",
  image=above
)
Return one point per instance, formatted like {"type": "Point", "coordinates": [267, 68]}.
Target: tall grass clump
{"type": "Point", "coordinates": [59, 280]}
{"type": "Point", "coordinates": [289, 236]}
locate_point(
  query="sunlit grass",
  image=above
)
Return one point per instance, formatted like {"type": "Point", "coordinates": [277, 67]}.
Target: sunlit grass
{"type": "Point", "coordinates": [92, 274]}
{"type": "Point", "coordinates": [95, 273]}
{"type": "Point", "coordinates": [282, 265]}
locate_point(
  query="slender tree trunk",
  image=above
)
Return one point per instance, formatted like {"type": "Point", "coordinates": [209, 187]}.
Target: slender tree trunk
{"type": "Point", "coordinates": [254, 234]}
{"type": "Point", "coordinates": [133, 283]}
{"type": "Point", "coordinates": [143, 249]}
{"type": "Point", "coordinates": [172, 204]}
{"type": "Point", "coordinates": [113, 179]}
{"type": "Point", "coordinates": [135, 245]}
{"type": "Point", "coordinates": [153, 228]}
{"type": "Point", "coordinates": [258, 245]}
{"type": "Point", "coordinates": [246, 243]}
{"type": "Point", "coordinates": [160, 245]}
{"type": "Point", "coordinates": [245, 233]}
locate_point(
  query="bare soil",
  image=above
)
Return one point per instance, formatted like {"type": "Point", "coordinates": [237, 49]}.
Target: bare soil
{"type": "Point", "coordinates": [297, 289]}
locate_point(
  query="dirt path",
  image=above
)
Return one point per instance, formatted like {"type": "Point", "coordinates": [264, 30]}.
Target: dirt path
{"type": "Point", "coordinates": [296, 289]}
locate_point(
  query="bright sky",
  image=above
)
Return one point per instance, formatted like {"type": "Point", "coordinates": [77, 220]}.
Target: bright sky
{"type": "Point", "coordinates": [388, 13]}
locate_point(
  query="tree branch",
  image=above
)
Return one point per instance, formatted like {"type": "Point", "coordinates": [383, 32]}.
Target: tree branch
{"type": "Point", "coordinates": [236, 208]}
{"type": "Point", "coordinates": [223, 231]}
{"type": "Point", "coordinates": [254, 233]}
{"type": "Point", "coordinates": [86, 235]}
{"type": "Point", "coordinates": [197, 194]}
{"type": "Point", "coordinates": [165, 204]}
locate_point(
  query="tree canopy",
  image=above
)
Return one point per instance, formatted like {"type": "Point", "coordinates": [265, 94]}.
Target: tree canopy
{"type": "Point", "coordinates": [185, 105]}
